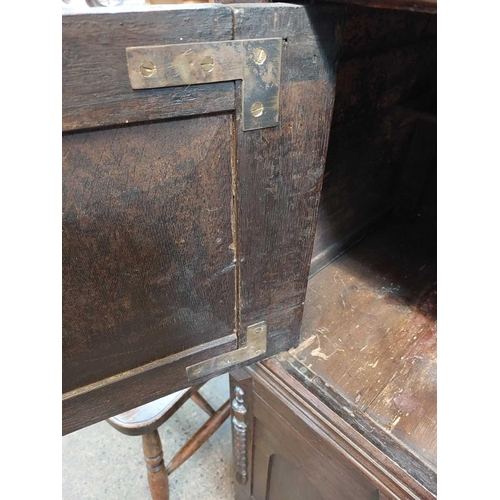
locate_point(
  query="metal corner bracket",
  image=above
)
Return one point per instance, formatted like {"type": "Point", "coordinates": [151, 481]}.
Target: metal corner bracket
{"type": "Point", "coordinates": [256, 62]}
{"type": "Point", "coordinates": [256, 345]}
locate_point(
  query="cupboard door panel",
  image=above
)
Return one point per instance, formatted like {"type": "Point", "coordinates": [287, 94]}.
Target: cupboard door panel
{"type": "Point", "coordinates": [181, 230]}
{"type": "Point", "coordinates": [148, 265]}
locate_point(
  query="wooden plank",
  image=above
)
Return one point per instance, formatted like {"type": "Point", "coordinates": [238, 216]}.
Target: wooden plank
{"type": "Point", "coordinates": [362, 313]}
{"type": "Point", "coordinates": [407, 407]}
{"type": "Point", "coordinates": [277, 202]}
{"type": "Point", "coordinates": [91, 404]}
{"type": "Point", "coordinates": [293, 461]}
{"type": "Point", "coordinates": [369, 334]}
{"type": "Point", "coordinates": [370, 135]}
{"type": "Point", "coordinates": [96, 86]}
{"type": "Point", "coordinates": [148, 265]}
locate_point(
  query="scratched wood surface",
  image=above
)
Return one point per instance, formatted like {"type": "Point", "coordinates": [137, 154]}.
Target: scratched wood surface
{"type": "Point", "coordinates": [369, 332]}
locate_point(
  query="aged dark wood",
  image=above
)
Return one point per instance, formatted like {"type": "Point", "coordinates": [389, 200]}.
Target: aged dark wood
{"type": "Point", "coordinates": [362, 382]}
{"type": "Point", "coordinates": [173, 227]}
{"type": "Point", "coordinates": [242, 380]}
{"type": "Point", "coordinates": [239, 423]}
{"type": "Point", "coordinates": [148, 417]}
{"type": "Point", "coordinates": [157, 474]}
{"type": "Point", "coordinates": [387, 58]}
{"type": "Point", "coordinates": [280, 247]}
{"type": "Point", "coordinates": [200, 437]}
{"type": "Point", "coordinates": [313, 442]}
{"type": "Point", "coordinates": [96, 86]}
{"type": "Point", "coordinates": [145, 420]}
{"type": "Point", "coordinates": [372, 31]}
{"type": "Point", "coordinates": [146, 244]}
{"type": "Point", "coordinates": [351, 412]}
{"type": "Point", "coordinates": [365, 158]}
{"type": "Point", "coordinates": [144, 384]}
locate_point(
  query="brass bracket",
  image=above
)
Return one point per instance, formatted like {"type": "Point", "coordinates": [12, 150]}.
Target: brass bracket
{"type": "Point", "coordinates": [256, 62]}
{"type": "Point", "coordinates": [256, 345]}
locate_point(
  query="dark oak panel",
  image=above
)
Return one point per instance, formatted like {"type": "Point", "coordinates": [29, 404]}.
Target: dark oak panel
{"type": "Point", "coordinates": [360, 187]}
{"type": "Point", "coordinates": [374, 82]}
{"type": "Point", "coordinates": [288, 482]}
{"type": "Point", "coordinates": [148, 265]}
{"type": "Point", "coordinates": [371, 31]}
{"type": "Point", "coordinates": [96, 86]}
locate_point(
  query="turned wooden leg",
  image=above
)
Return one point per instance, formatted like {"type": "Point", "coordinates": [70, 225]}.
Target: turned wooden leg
{"type": "Point", "coordinates": [197, 398]}
{"type": "Point", "coordinates": [157, 474]}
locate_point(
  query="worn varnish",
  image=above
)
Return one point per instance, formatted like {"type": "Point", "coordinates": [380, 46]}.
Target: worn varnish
{"type": "Point", "coordinates": [351, 412]}
{"type": "Point", "coordinates": [370, 316]}
{"type": "Point", "coordinates": [363, 378]}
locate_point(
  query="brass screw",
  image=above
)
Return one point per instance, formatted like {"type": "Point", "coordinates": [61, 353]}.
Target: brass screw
{"type": "Point", "coordinates": [259, 55]}
{"type": "Point", "coordinates": [148, 68]}
{"type": "Point", "coordinates": [257, 109]}
{"type": "Point", "coordinates": [207, 64]}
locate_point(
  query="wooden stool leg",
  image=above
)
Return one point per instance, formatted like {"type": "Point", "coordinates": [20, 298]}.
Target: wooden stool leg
{"type": "Point", "coordinates": [197, 398]}
{"type": "Point", "coordinates": [157, 474]}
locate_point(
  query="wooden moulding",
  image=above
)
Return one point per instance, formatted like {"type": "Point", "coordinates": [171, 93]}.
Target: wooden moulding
{"type": "Point", "coordinates": [309, 412]}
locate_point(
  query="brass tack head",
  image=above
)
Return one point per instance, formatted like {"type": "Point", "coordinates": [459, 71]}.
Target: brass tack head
{"type": "Point", "coordinates": [257, 109]}
{"type": "Point", "coordinates": [148, 68]}
{"type": "Point", "coordinates": [207, 64]}
{"type": "Point", "coordinates": [259, 55]}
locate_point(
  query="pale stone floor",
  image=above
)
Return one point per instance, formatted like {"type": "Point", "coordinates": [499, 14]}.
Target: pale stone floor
{"type": "Point", "coordinates": [100, 463]}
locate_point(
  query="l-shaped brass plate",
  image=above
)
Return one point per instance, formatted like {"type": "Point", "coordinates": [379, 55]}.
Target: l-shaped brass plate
{"type": "Point", "coordinates": [256, 345]}
{"type": "Point", "coordinates": [256, 62]}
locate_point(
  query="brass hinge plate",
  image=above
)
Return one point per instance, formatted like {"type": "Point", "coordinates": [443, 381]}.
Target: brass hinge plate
{"type": "Point", "coordinates": [256, 62]}
{"type": "Point", "coordinates": [256, 345]}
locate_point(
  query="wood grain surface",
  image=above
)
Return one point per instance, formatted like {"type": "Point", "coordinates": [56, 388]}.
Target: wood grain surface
{"type": "Point", "coordinates": [179, 233]}
{"type": "Point", "coordinates": [147, 266]}
{"type": "Point", "coordinates": [278, 202]}
{"type": "Point", "coordinates": [369, 335]}
{"type": "Point", "coordinates": [95, 83]}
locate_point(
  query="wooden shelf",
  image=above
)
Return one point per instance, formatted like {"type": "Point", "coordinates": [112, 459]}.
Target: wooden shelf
{"type": "Point", "coordinates": [368, 341]}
